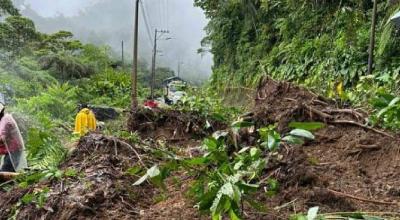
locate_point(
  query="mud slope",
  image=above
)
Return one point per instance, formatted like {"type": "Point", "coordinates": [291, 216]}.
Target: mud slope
{"type": "Point", "coordinates": [349, 167]}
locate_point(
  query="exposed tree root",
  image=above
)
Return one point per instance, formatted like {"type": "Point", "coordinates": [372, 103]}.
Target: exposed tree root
{"type": "Point", "coordinates": [362, 199]}
{"type": "Point", "coordinates": [363, 126]}
{"type": "Point", "coordinates": [353, 112]}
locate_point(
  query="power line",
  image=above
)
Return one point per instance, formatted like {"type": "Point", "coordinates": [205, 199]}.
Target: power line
{"type": "Point", "coordinates": [144, 14]}
{"type": "Point", "coordinates": [165, 13]}
{"type": "Point", "coordinates": [160, 15]}
{"type": "Point", "coordinates": [166, 2]}
{"type": "Point", "coordinates": [151, 21]}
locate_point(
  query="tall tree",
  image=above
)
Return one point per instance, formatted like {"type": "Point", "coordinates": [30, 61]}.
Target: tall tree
{"type": "Point", "coordinates": [6, 7]}
{"type": "Point", "coordinates": [16, 33]}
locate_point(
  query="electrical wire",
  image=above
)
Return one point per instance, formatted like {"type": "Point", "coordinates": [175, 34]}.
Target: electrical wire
{"type": "Point", "coordinates": [148, 29]}
{"type": "Point", "coordinates": [166, 14]}
{"type": "Point", "coordinates": [160, 12]}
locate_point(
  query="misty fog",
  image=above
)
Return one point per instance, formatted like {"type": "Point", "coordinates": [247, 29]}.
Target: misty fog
{"type": "Point", "coordinates": [110, 22]}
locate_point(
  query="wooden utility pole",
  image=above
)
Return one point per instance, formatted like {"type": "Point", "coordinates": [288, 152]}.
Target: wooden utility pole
{"type": "Point", "coordinates": [153, 63]}
{"type": "Point", "coordinates": [153, 66]}
{"type": "Point", "coordinates": [134, 101]}
{"type": "Point", "coordinates": [179, 68]}
{"type": "Point", "coordinates": [372, 39]}
{"type": "Point", "coordinates": [122, 54]}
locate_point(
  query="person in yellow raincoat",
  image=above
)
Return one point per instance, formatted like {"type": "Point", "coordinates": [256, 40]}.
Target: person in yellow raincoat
{"type": "Point", "coordinates": [85, 121]}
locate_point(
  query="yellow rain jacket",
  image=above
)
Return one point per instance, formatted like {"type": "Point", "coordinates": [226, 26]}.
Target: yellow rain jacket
{"type": "Point", "coordinates": [85, 121]}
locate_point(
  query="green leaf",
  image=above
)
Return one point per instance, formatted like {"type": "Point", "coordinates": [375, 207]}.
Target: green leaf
{"type": "Point", "coordinates": [196, 161]}
{"type": "Point", "coordinates": [133, 170]}
{"type": "Point", "coordinates": [227, 189]}
{"type": "Point", "coordinates": [247, 187]}
{"type": "Point", "coordinates": [211, 143]}
{"type": "Point", "coordinates": [237, 195]}
{"type": "Point", "coordinates": [216, 202]}
{"type": "Point", "coordinates": [273, 143]}
{"type": "Point", "coordinates": [218, 134]}
{"type": "Point", "coordinates": [28, 198]}
{"type": "Point", "coordinates": [383, 111]}
{"type": "Point", "coordinates": [371, 218]}
{"type": "Point", "coordinates": [238, 165]}
{"type": "Point", "coordinates": [312, 213]}
{"type": "Point", "coordinates": [293, 140]}
{"type": "Point", "coordinates": [298, 217]}
{"type": "Point", "coordinates": [70, 172]}
{"type": "Point", "coordinates": [218, 117]}
{"type": "Point", "coordinates": [309, 126]}
{"type": "Point", "coordinates": [153, 171]}
{"type": "Point", "coordinates": [243, 150]}
{"type": "Point", "coordinates": [233, 215]}
{"type": "Point", "coordinates": [208, 125]}
{"type": "Point", "coordinates": [255, 152]}
{"type": "Point", "coordinates": [302, 133]}
{"type": "Point", "coordinates": [216, 216]}
{"type": "Point", "coordinates": [394, 101]}
{"type": "Point", "coordinates": [242, 124]}
{"type": "Point", "coordinates": [141, 180]}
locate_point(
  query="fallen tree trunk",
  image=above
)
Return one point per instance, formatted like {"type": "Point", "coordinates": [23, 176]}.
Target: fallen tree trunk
{"type": "Point", "coordinates": [5, 176]}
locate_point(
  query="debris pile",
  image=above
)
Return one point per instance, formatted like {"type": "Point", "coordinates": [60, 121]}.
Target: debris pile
{"type": "Point", "coordinates": [99, 187]}
{"type": "Point", "coordinates": [348, 167]}
{"type": "Point", "coordinates": [172, 125]}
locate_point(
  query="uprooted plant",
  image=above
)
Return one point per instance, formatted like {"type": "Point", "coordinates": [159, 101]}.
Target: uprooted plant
{"type": "Point", "coordinates": [227, 177]}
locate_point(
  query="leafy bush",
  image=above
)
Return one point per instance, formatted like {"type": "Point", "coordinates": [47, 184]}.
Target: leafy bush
{"type": "Point", "coordinates": [45, 151]}
{"type": "Point", "coordinates": [57, 102]}
{"type": "Point", "coordinates": [208, 105]}
{"type": "Point", "coordinates": [112, 88]}
{"type": "Point", "coordinates": [226, 179]}
{"type": "Point", "coordinates": [387, 111]}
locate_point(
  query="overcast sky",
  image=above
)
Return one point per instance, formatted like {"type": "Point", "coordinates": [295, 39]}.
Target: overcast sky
{"type": "Point", "coordinates": [50, 8]}
{"type": "Point", "coordinates": [110, 21]}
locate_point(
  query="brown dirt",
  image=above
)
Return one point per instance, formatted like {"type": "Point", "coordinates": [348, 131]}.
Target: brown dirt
{"type": "Point", "coordinates": [172, 126]}
{"type": "Point", "coordinates": [175, 204]}
{"type": "Point", "coordinates": [344, 158]}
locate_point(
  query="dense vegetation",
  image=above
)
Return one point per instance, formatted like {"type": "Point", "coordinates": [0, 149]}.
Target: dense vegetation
{"type": "Point", "coordinates": [45, 76]}
{"type": "Point", "coordinates": [304, 41]}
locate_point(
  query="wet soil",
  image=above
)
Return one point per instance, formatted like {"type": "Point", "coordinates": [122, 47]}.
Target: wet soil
{"type": "Point", "coordinates": [347, 167]}
{"type": "Point", "coordinates": [172, 126]}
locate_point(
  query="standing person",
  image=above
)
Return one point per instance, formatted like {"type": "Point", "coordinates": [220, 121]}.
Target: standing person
{"type": "Point", "coordinates": [11, 144]}
{"type": "Point", "coordinates": [85, 121]}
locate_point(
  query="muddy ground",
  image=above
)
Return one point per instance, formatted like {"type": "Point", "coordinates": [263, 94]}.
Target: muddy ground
{"type": "Point", "coordinates": [172, 125]}
{"type": "Point", "coordinates": [348, 167]}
